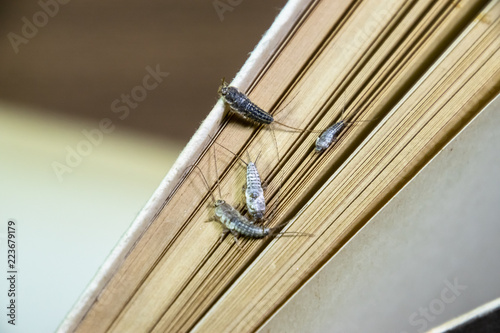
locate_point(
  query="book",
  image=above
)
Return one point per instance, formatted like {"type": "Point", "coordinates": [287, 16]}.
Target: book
{"type": "Point", "coordinates": [406, 75]}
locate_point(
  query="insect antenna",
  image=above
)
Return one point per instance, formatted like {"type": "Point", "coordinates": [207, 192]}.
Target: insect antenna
{"type": "Point", "coordinates": [275, 141]}
{"type": "Point", "coordinates": [295, 129]}
{"type": "Point", "coordinates": [222, 85]}
{"type": "Point", "coordinates": [356, 121]}
{"type": "Point", "coordinates": [343, 109]}
{"type": "Point", "coordinates": [230, 151]}
{"type": "Point", "coordinates": [255, 162]}
{"type": "Point", "coordinates": [204, 180]}
{"type": "Point", "coordinates": [309, 130]}
{"type": "Point", "coordinates": [217, 174]}
{"type": "Point", "coordinates": [277, 112]}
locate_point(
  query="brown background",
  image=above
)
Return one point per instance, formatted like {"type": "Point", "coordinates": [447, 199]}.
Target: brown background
{"type": "Point", "coordinates": [91, 52]}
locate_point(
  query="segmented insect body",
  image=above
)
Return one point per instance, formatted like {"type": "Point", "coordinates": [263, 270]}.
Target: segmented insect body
{"type": "Point", "coordinates": [254, 193]}
{"type": "Point", "coordinates": [241, 104]}
{"type": "Point", "coordinates": [238, 224]}
{"type": "Point", "coordinates": [256, 203]}
{"type": "Point", "coordinates": [329, 136]}
{"type": "Point", "coordinates": [233, 221]}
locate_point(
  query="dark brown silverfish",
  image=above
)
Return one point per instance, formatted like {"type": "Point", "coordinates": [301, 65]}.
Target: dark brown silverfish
{"type": "Point", "coordinates": [242, 105]}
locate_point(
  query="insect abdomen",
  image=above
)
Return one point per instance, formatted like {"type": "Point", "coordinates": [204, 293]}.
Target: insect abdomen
{"type": "Point", "coordinates": [326, 138]}
{"type": "Point", "coordinates": [234, 221]}
{"type": "Point", "coordinates": [256, 202]}
{"type": "Point", "coordinates": [249, 110]}
{"type": "Point", "coordinates": [251, 230]}
{"type": "Point", "coordinates": [255, 113]}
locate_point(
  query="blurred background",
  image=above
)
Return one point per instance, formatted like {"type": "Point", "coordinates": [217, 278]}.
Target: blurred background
{"type": "Point", "coordinates": [97, 99]}
{"type": "Point", "coordinates": [89, 53]}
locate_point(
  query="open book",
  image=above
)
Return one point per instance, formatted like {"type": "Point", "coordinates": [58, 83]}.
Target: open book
{"type": "Point", "coordinates": [407, 75]}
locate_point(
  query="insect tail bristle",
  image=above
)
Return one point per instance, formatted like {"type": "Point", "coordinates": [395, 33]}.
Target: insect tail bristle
{"type": "Point", "coordinates": [295, 129]}
{"type": "Point", "coordinates": [361, 121]}
{"type": "Point", "coordinates": [275, 231]}
{"type": "Point", "coordinates": [294, 234]}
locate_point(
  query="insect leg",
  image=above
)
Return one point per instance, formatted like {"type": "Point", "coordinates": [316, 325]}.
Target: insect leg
{"type": "Point", "coordinates": [212, 219]}
{"type": "Point", "coordinates": [235, 237]}
{"type": "Point", "coordinates": [225, 231]}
